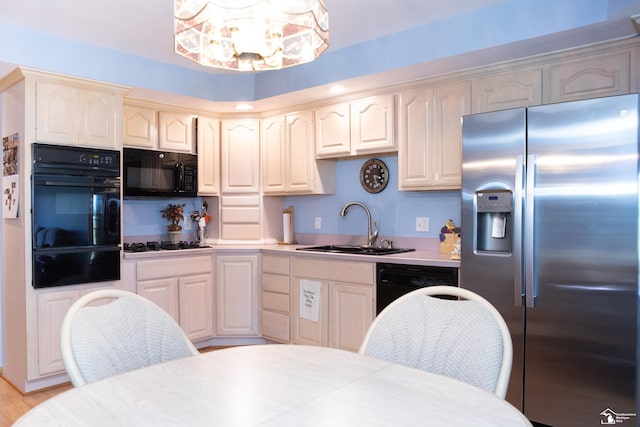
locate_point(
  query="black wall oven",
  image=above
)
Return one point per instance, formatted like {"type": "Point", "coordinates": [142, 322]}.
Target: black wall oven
{"type": "Point", "coordinates": [75, 215]}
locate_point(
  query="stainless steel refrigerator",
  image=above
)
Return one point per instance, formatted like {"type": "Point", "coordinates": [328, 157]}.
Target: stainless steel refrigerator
{"type": "Point", "coordinates": [550, 237]}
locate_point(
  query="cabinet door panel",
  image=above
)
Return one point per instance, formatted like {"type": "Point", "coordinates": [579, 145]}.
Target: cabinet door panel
{"type": "Point", "coordinates": [196, 306]}
{"type": "Point", "coordinates": [452, 101]}
{"type": "Point", "coordinates": [307, 331]}
{"type": "Point", "coordinates": [301, 158]}
{"type": "Point", "coordinates": [333, 131]}
{"type": "Point", "coordinates": [351, 315]}
{"type": "Point", "coordinates": [240, 156]}
{"type": "Point", "coordinates": [162, 292]}
{"type": "Point", "coordinates": [56, 113]}
{"type": "Point", "coordinates": [140, 127]}
{"type": "Point", "coordinates": [274, 159]}
{"type": "Point", "coordinates": [236, 296]}
{"type": "Point", "coordinates": [52, 307]}
{"type": "Point", "coordinates": [98, 113]}
{"type": "Point", "coordinates": [208, 156]}
{"type": "Point", "coordinates": [373, 125]}
{"type": "Point", "coordinates": [175, 132]}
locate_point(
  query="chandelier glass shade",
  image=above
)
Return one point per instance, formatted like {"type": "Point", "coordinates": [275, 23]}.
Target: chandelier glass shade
{"type": "Point", "coordinates": [250, 35]}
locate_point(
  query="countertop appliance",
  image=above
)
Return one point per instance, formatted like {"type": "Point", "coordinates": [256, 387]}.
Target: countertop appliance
{"type": "Point", "coordinates": [150, 173]}
{"type": "Point", "coordinates": [75, 215]}
{"type": "Point", "coordinates": [395, 280]}
{"type": "Point", "coordinates": [162, 246]}
{"type": "Point", "coordinates": [550, 237]}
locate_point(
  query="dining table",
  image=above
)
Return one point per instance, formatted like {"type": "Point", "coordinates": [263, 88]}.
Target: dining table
{"type": "Point", "coordinates": [275, 385]}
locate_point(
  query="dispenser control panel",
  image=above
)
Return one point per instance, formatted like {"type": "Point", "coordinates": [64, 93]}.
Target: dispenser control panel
{"type": "Point", "coordinates": [494, 201]}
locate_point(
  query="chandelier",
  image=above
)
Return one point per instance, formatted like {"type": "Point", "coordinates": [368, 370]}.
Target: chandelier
{"type": "Point", "coordinates": [250, 35]}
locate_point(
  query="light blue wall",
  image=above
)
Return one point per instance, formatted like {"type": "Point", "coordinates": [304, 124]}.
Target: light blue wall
{"type": "Point", "coordinates": [395, 211]}
{"type": "Point", "coordinates": [509, 21]}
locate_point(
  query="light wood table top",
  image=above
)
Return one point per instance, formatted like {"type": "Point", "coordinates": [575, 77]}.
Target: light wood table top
{"type": "Point", "coordinates": [275, 385]}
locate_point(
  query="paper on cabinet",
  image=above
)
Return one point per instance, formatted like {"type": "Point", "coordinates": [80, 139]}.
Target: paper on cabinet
{"type": "Point", "coordinates": [310, 299]}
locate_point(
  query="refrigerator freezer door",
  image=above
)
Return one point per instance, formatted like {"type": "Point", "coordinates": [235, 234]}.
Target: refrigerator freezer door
{"type": "Point", "coordinates": [581, 333]}
{"type": "Point", "coordinates": [493, 143]}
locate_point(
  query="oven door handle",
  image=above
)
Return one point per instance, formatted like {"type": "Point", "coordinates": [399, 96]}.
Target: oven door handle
{"type": "Point", "coordinates": [105, 184]}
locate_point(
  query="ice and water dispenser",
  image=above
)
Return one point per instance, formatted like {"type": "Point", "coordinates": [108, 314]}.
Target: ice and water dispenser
{"type": "Point", "coordinates": [494, 227]}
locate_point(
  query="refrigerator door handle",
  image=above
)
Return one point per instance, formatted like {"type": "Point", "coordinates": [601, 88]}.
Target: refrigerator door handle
{"type": "Point", "coordinates": [518, 288]}
{"type": "Point", "coordinates": [529, 283]}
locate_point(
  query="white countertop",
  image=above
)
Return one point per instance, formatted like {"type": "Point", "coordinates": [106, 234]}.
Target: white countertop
{"type": "Point", "coordinates": [275, 385]}
{"type": "Point", "coordinates": [417, 257]}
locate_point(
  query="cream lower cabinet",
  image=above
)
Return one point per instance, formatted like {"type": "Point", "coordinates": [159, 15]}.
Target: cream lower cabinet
{"type": "Point", "coordinates": [236, 296]}
{"type": "Point", "coordinates": [430, 149]}
{"type": "Point", "coordinates": [183, 287]}
{"type": "Point", "coordinates": [345, 302]}
{"type": "Point", "coordinates": [52, 308]}
{"type": "Point", "coordinates": [276, 298]}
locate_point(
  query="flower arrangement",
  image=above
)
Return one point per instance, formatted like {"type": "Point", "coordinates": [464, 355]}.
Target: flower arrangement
{"type": "Point", "coordinates": [173, 214]}
{"type": "Point", "coordinates": [449, 228]}
{"type": "Point", "coordinates": [449, 236]}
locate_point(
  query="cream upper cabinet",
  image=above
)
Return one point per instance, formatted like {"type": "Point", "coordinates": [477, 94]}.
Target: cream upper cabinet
{"type": "Point", "coordinates": [430, 134]}
{"type": "Point", "coordinates": [140, 127]}
{"type": "Point", "coordinates": [590, 77]}
{"type": "Point", "coordinates": [373, 125]}
{"type": "Point", "coordinates": [154, 127]}
{"type": "Point", "coordinates": [237, 298]}
{"type": "Point", "coordinates": [333, 131]}
{"type": "Point", "coordinates": [345, 302]}
{"type": "Point", "coordinates": [289, 165]}
{"type": "Point", "coordinates": [175, 132]}
{"type": "Point", "coordinates": [364, 126]}
{"type": "Point", "coordinates": [511, 89]}
{"type": "Point", "coordinates": [208, 141]}
{"type": "Point", "coordinates": [240, 156]}
{"type": "Point", "coordinates": [82, 114]}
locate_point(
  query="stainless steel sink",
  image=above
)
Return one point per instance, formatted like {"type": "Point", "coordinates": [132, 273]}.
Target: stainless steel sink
{"type": "Point", "coordinates": [358, 250]}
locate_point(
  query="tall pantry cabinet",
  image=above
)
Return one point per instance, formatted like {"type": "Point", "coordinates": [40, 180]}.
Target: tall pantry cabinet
{"type": "Point", "coordinates": [45, 107]}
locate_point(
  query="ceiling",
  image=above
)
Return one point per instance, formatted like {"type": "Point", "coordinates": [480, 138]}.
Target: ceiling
{"type": "Point", "coordinates": [144, 27]}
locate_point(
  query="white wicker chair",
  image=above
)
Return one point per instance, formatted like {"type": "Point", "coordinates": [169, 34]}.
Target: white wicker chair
{"type": "Point", "coordinates": [463, 338]}
{"type": "Point", "coordinates": [127, 333]}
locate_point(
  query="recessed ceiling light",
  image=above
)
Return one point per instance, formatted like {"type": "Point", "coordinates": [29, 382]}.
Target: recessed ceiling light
{"type": "Point", "coordinates": [243, 107]}
{"type": "Point", "coordinates": [336, 89]}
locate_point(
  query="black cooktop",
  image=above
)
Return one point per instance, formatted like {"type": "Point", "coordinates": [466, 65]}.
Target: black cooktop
{"type": "Point", "coordinates": [161, 246]}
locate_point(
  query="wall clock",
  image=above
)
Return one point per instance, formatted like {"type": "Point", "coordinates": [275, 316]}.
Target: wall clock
{"type": "Point", "coordinates": [374, 175]}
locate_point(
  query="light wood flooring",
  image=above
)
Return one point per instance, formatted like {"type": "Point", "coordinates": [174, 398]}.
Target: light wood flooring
{"type": "Point", "coordinates": [14, 404]}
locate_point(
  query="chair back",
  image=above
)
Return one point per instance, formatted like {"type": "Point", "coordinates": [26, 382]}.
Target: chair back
{"type": "Point", "coordinates": [128, 332]}
{"type": "Point", "coordinates": [464, 338]}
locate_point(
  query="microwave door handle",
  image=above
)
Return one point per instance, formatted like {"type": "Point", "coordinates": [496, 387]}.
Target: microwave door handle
{"type": "Point", "coordinates": [178, 176]}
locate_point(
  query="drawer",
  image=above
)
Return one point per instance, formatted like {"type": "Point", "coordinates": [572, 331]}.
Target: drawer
{"type": "Point", "coordinates": [275, 302]}
{"type": "Point", "coordinates": [337, 271]}
{"type": "Point", "coordinates": [275, 283]}
{"type": "Point", "coordinates": [275, 264]}
{"type": "Point", "coordinates": [276, 326]}
{"type": "Point", "coordinates": [184, 266]}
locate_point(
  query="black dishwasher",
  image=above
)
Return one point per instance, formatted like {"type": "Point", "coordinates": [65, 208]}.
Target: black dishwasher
{"type": "Point", "coordinates": [395, 280]}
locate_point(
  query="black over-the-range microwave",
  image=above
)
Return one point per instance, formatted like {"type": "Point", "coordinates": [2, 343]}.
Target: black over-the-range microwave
{"type": "Point", "coordinates": [151, 173]}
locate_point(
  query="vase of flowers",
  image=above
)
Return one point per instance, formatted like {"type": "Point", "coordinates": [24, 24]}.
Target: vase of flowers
{"type": "Point", "coordinates": [174, 214]}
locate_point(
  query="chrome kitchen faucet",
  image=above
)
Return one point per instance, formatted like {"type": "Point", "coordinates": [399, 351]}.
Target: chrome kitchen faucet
{"type": "Point", "coordinates": [372, 234]}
